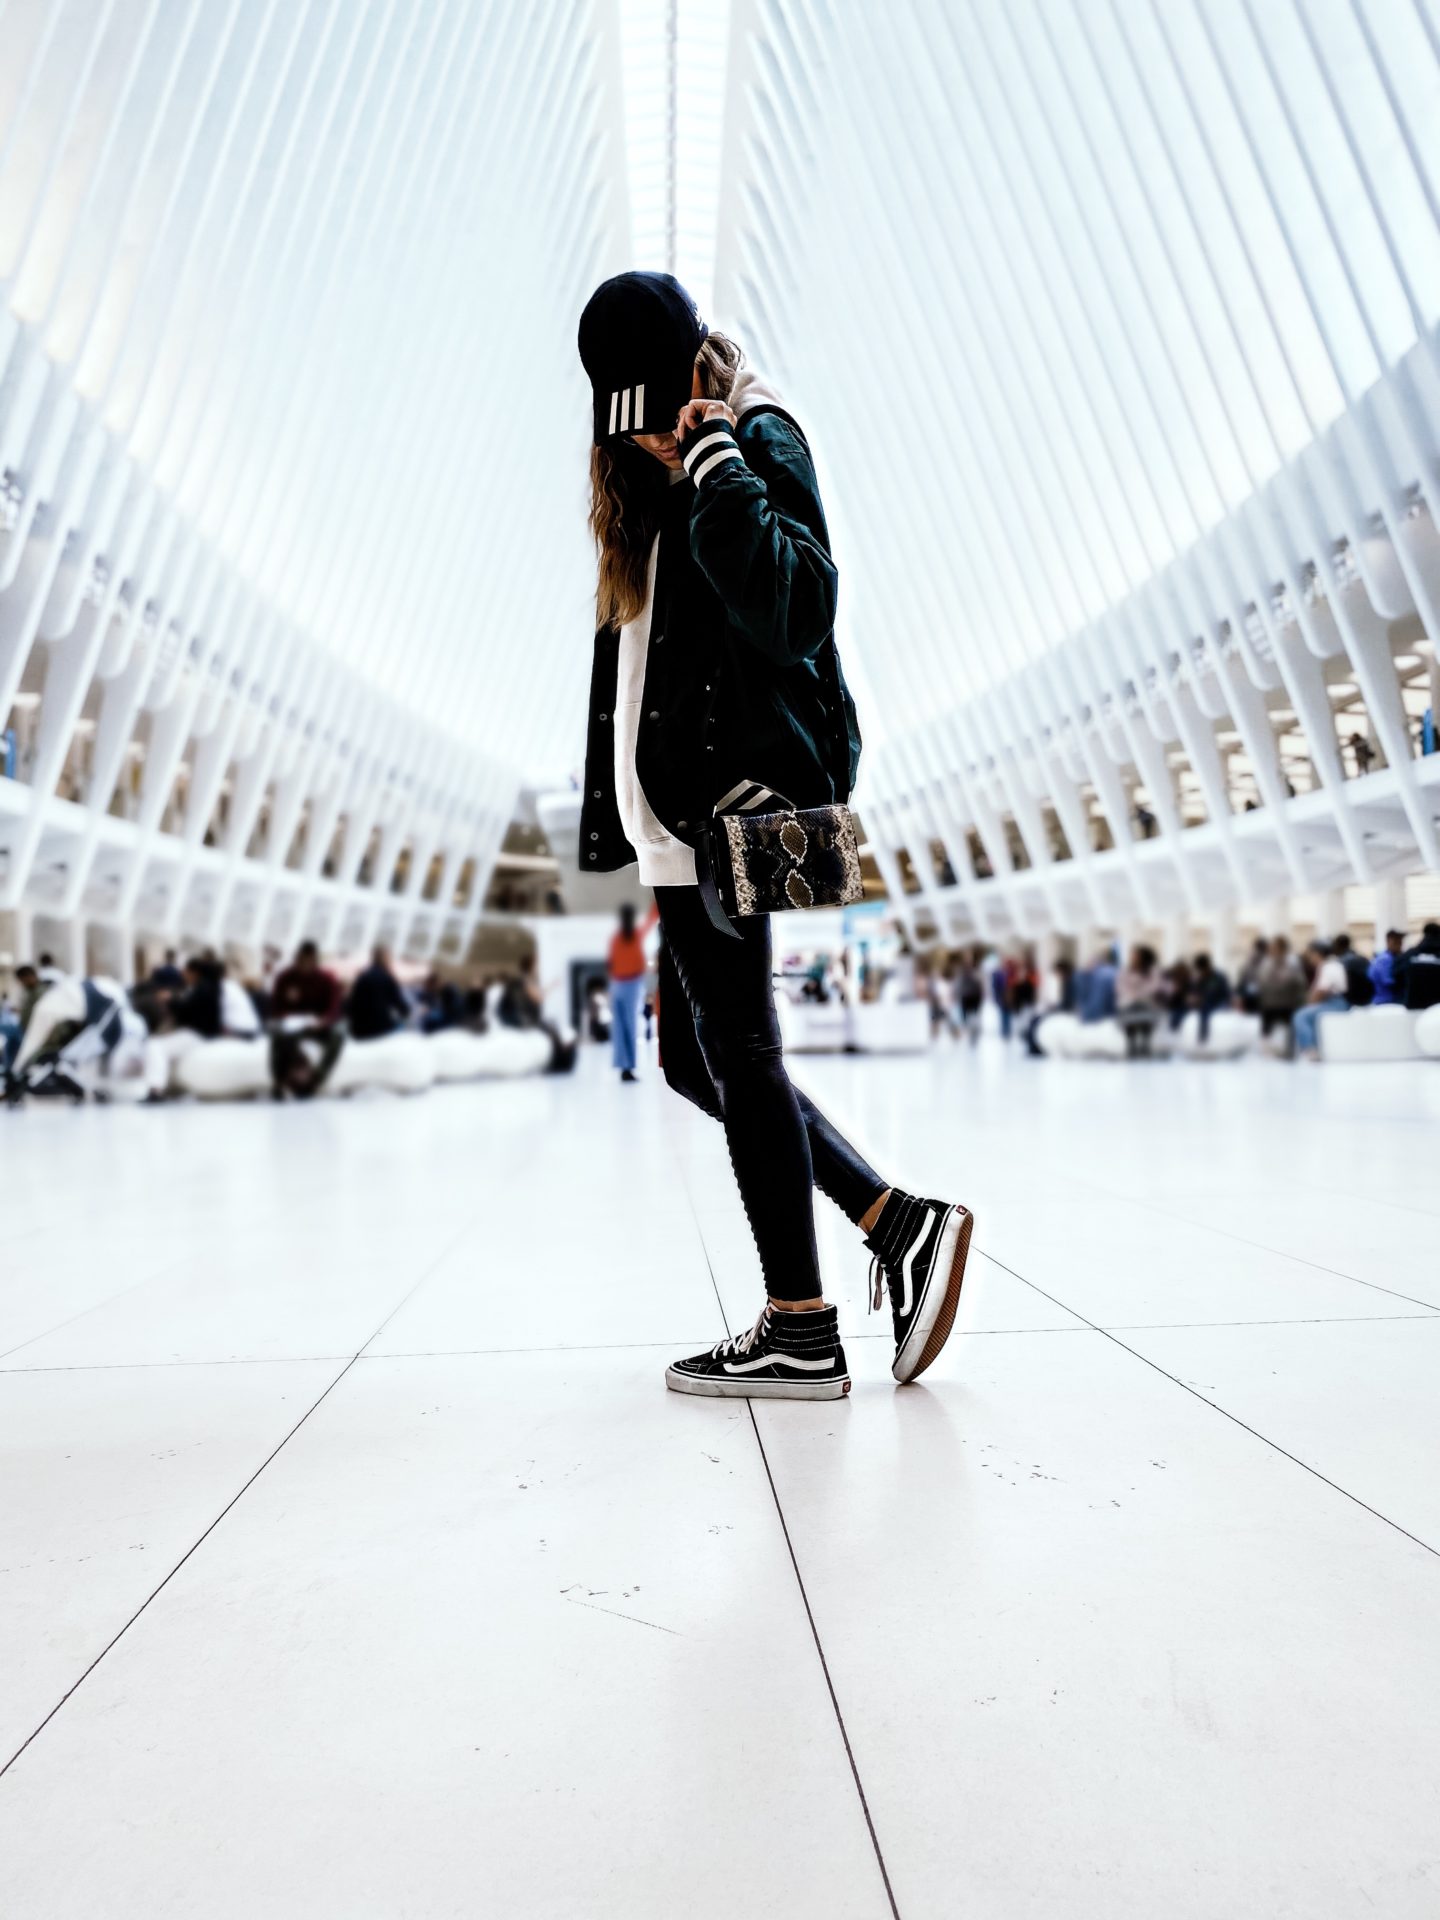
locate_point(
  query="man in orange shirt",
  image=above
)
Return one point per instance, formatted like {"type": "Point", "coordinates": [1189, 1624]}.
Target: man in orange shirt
{"type": "Point", "coordinates": [627, 988]}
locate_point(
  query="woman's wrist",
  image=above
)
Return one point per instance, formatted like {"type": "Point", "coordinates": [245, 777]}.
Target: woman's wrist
{"type": "Point", "coordinates": [708, 448]}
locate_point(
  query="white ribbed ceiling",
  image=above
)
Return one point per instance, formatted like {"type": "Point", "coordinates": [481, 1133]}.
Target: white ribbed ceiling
{"type": "Point", "coordinates": [1112, 323]}
{"type": "Point", "coordinates": [313, 267]}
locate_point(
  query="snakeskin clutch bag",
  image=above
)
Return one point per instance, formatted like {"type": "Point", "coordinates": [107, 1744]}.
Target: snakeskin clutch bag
{"type": "Point", "coordinates": [752, 862]}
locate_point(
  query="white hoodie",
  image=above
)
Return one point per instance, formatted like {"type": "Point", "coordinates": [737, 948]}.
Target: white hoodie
{"type": "Point", "coordinates": [664, 860]}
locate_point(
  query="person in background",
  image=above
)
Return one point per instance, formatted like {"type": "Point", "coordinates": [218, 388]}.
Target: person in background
{"type": "Point", "coordinates": [1059, 997]}
{"type": "Point", "coordinates": [1000, 993]}
{"type": "Point", "coordinates": [1247, 988]}
{"type": "Point", "coordinates": [1383, 967]}
{"type": "Point", "coordinates": [1177, 997]}
{"type": "Point", "coordinates": [477, 1014]}
{"type": "Point", "coordinates": [937, 995]}
{"type": "Point", "coordinates": [625, 965]}
{"type": "Point", "coordinates": [1417, 972]}
{"type": "Point", "coordinates": [1280, 991]}
{"type": "Point", "coordinates": [522, 999]}
{"type": "Point", "coordinates": [307, 989]}
{"type": "Point", "coordinates": [305, 1004]}
{"type": "Point", "coordinates": [439, 1003]}
{"type": "Point", "coordinates": [1095, 989]}
{"type": "Point", "coordinates": [377, 1003]}
{"type": "Point", "coordinates": [1209, 992]}
{"type": "Point", "coordinates": [969, 996]}
{"type": "Point", "coordinates": [1139, 1000]}
{"type": "Point", "coordinates": [87, 1031]}
{"type": "Point", "coordinates": [166, 976]}
{"type": "Point", "coordinates": [27, 979]}
{"type": "Point", "coordinates": [180, 1021]}
{"type": "Point", "coordinates": [1359, 988]}
{"type": "Point", "coordinates": [1024, 985]}
{"type": "Point", "coordinates": [10, 1031]}
{"type": "Point", "coordinates": [1327, 995]}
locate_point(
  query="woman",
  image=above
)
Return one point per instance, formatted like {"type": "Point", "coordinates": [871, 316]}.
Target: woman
{"type": "Point", "coordinates": [716, 667]}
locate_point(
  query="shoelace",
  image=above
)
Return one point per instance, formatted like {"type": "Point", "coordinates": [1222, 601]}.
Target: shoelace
{"type": "Point", "coordinates": [742, 1342]}
{"type": "Point", "coordinates": [879, 1280]}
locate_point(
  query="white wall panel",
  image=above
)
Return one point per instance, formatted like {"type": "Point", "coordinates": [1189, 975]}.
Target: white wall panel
{"type": "Point", "coordinates": [1114, 325]}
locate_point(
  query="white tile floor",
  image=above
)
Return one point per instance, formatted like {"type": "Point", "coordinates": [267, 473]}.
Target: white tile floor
{"type": "Point", "coordinates": [354, 1562]}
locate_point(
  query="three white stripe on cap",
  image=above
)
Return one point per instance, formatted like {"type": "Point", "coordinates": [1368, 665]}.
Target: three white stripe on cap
{"type": "Point", "coordinates": [620, 403]}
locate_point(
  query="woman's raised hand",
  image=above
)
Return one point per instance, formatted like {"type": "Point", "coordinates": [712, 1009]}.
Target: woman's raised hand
{"type": "Point", "coordinates": [695, 412]}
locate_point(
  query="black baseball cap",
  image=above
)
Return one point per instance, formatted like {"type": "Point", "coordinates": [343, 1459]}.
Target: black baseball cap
{"type": "Point", "coordinates": [639, 335]}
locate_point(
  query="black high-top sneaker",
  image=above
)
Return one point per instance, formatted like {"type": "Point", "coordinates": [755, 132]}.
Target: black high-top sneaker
{"type": "Point", "coordinates": [784, 1356]}
{"type": "Point", "coordinates": [920, 1247]}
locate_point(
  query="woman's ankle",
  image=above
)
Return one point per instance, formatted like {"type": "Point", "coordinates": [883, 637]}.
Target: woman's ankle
{"type": "Point", "coordinates": [871, 1215]}
{"type": "Point", "coordinates": [815, 1305]}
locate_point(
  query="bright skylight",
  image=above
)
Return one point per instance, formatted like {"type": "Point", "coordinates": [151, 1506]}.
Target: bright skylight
{"type": "Point", "coordinates": [674, 54]}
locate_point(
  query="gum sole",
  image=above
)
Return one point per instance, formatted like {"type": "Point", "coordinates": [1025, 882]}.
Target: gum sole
{"type": "Point", "coordinates": [945, 1319]}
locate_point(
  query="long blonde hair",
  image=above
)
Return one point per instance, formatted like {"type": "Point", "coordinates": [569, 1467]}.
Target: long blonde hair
{"type": "Point", "coordinates": [627, 487]}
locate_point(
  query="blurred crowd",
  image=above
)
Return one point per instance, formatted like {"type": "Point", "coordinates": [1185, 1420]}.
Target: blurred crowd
{"type": "Point", "coordinates": [1289, 990]}
{"type": "Point", "coordinates": [75, 1036]}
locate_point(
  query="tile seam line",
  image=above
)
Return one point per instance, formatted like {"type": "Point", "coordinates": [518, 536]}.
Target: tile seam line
{"type": "Point", "coordinates": [824, 1664]}
{"type": "Point", "coordinates": [1430, 1315]}
{"type": "Point", "coordinates": [1234, 1418]}
{"type": "Point", "coordinates": [229, 1507]}
{"type": "Point", "coordinates": [144, 1281]}
{"type": "Point", "coordinates": [1243, 1240]}
{"type": "Point", "coordinates": [155, 1593]}
{"type": "Point", "coordinates": [795, 1568]}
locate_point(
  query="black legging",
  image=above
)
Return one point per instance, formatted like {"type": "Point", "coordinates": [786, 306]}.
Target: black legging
{"type": "Point", "coordinates": [730, 1064]}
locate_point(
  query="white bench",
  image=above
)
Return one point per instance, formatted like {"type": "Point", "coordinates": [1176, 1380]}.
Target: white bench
{"type": "Point", "coordinates": [399, 1063]}
{"type": "Point", "coordinates": [1370, 1033]}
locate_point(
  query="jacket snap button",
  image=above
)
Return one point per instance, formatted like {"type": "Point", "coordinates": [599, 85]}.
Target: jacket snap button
{"type": "Point", "coordinates": [594, 856]}
{"type": "Point", "coordinates": [596, 794]}
{"type": "Point", "coordinates": [681, 825]}
{"type": "Point", "coordinates": [654, 716]}
{"type": "Point", "coordinates": [604, 716]}
{"type": "Point", "coordinates": [594, 836]}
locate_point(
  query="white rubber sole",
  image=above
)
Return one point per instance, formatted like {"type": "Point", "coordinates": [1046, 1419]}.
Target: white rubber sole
{"type": "Point", "coordinates": [931, 1326]}
{"type": "Point", "coordinates": [711, 1388]}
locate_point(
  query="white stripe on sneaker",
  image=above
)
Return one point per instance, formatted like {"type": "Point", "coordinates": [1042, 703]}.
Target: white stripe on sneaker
{"type": "Point", "coordinates": [779, 1360]}
{"type": "Point", "coordinates": [907, 1265]}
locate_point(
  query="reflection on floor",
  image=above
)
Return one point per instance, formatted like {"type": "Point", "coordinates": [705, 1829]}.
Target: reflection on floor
{"type": "Point", "coordinates": [355, 1562]}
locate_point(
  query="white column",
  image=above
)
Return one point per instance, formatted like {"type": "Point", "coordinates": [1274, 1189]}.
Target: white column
{"type": "Point", "coordinates": [1329, 914]}
{"type": "Point", "coordinates": [1220, 931]}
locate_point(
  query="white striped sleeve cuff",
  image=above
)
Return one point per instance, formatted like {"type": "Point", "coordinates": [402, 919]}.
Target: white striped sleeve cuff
{"type": "Point", "coordinates": [707, 448]}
